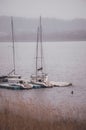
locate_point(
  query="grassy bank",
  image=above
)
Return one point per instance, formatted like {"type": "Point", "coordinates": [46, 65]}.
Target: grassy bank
{"type": "Point", "coordinates": [20, 114]}
{"type": "Point", "coordinates": [10, 121]}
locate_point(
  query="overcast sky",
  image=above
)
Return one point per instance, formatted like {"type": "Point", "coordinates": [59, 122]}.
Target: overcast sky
{"type": "Point", "coordinates": [64, 9]}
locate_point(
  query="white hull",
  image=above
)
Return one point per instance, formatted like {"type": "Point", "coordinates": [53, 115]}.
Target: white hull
{"type": "Point", "coordinates": [60, 84]}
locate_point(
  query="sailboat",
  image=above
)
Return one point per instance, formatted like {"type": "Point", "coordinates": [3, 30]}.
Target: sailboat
{"type": "Point", "coordinates": [40, 78]}
{"type": "Point", "coordinates": [12, 80]}
{"type": "Point", "coordinates": [12, 74]}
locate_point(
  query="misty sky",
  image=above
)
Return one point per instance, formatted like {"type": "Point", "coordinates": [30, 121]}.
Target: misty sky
{"type": "Point", "coordinates": [64, 9]}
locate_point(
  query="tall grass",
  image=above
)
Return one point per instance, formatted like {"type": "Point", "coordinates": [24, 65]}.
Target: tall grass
{"type": "Point", "coordinates": [22, 120]}
{"type": "Point", "coordinates": [10, 121]}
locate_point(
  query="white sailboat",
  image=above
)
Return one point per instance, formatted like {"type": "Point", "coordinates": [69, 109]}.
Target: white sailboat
{"type": "Point", "coordinates": [13, 74]}
{"type": "Point", "coordinates": [12, 80]}
{"type": "Point", "coordinates": [40, 77]}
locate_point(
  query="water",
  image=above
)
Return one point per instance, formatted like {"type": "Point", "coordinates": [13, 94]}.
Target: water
{"type": "Point", "coordinates": [64, 61]}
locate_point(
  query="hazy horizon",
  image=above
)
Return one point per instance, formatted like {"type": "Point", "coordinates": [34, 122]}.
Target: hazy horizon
{"type": "Point", "coordinates": [59, 9]}
{"type": "Point", "coordinates": [61, 22]}
{"type": "Point", "coordinates": [53, 29]}
{"type": "Point", "coordinates": [43, 17]}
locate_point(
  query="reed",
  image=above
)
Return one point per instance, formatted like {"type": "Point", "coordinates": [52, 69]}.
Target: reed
{"type": "Point", "coordinates": [22, 120]}
{"type": "Point", "coordinates": [10, 121]}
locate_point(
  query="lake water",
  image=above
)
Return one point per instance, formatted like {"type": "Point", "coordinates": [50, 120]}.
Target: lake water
{"type": "Point", "coordinates": [63, 61]}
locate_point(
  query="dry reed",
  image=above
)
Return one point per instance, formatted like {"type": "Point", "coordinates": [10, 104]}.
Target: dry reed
{"type": "Point", "coordinates": [10, 120]}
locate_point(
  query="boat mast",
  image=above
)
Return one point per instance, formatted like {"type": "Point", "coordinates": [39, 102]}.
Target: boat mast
{"type": "Point", "coordinates": [12, 31]}
{"type": "Point", "coordinates": [41, 46]}
{"type": "Point", "coordinates": [37, 53]}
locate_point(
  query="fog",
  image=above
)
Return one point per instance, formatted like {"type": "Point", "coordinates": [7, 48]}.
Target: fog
{"type": "Point", "coordinates": [63, 9]}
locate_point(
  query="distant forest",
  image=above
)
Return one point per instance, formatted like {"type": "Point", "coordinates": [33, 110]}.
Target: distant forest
{"type": "Point", "coordinates": [25, 29]}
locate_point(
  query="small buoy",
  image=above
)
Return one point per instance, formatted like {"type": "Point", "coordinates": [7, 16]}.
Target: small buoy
{"type": "Point", "coordinates": [71, 92]}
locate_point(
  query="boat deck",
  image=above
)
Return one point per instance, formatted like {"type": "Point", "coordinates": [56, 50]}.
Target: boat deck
{"type": "Point", "coordinates": [17, 86]}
